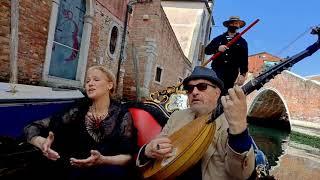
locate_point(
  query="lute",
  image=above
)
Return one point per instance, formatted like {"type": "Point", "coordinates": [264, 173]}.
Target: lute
{"type": "Point", "coordinates": [192, 140]}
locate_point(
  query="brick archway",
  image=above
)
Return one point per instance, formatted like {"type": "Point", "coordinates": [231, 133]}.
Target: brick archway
{"type": "Point", "coordinates": [269, 109]}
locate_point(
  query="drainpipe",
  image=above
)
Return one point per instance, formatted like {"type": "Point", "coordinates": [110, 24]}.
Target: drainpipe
{"type": "Point", "coordinates": [14, 38]}
{"type": "Point", "coordinates": [207, 5]}
{"type": "Point", "coordinates": [210, 20]}
{"type": "Point", "coordinates": [123, 42]}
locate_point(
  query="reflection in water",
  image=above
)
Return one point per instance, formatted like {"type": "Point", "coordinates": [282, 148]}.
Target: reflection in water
{"type": "Point", "coordinates": [271, 141]}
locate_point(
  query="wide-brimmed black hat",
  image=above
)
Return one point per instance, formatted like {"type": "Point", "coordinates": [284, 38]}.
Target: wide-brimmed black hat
{"type": "Point", "coordinates": [201, 72]}
{"type": "Point", "coordinates": [232, 19]}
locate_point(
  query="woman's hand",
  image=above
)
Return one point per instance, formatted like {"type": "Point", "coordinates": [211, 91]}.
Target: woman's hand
{"type": "Point", "coordinates": [96, 158]}
{"type": "Point", "coordinates": [45, 145]}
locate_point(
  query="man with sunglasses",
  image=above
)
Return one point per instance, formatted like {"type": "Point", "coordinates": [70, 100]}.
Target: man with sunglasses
{"type": "Point", "coordinates": [230, 155]}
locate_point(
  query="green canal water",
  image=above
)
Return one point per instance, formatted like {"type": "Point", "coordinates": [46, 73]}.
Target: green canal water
{"type": "Point", "coordinates": [271, 141]}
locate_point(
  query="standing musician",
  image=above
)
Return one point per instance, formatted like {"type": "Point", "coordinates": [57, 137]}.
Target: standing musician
{"type": "Point", "coordinates": [234, 59]}
{"type": "Point", "coordinates": [230, 154]}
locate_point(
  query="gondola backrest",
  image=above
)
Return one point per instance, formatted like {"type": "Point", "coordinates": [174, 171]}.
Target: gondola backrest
{"type": "Point", "coordinates": [147, 126]}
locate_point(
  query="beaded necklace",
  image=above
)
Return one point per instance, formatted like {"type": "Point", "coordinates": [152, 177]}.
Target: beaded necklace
{"type": "Point", "coordinates": [93, 123]}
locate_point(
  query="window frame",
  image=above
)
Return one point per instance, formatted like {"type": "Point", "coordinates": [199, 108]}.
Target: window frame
{"type": "Point", "coordinates": [155, 74]}
{"type": "Point", "coordinates": [84, 48]}
{"type": "Point", "coordinates": [116, 50]}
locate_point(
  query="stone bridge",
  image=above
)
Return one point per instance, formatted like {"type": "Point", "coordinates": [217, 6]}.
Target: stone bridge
{"type": "Point", "coordinates": [285, 98]}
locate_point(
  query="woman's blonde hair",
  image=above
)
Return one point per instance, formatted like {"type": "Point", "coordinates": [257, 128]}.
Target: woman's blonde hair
{"type": "Point", "coordinates": [109, 75]}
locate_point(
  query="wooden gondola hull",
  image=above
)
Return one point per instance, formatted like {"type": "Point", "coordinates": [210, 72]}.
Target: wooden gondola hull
{"type": "Point", "coordinates": [22, 104]}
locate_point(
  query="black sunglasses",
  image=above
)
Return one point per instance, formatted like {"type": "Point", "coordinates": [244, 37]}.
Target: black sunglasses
{"type": "Point", "coordinates": [201, 87]}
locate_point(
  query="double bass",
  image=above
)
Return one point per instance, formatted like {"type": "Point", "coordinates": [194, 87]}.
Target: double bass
{"type": "Point", "coordinates": [191, 141]}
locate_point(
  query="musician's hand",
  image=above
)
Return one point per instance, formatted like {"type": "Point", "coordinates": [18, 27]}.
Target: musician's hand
{"type": "Point", "coordinates": [240, 80]}
{"type": "Point", "coordinates": [222, 48]}
{"type": "Point", "coordinates": [159, 148]}
{"type": "Point", "coordinates": [235, 110]}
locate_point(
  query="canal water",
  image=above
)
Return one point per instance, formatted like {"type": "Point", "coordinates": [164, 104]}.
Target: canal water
{"type": "Point", "coordinates": [272, 142]}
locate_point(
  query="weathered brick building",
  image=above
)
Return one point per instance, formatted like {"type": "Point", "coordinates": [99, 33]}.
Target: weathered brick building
{"type": "Point", "coordinates": [259, 61]}
{"type": "Point", "coordinates": [57, 40]}
{"type": "Point", "coordinates": [164, 54]}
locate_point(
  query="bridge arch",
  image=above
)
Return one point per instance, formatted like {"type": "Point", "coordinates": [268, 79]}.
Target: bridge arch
{"type": "Point", "coordinates": [269, 109]}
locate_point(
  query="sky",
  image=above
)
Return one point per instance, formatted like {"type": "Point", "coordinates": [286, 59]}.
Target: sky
{"type": "Point", "coordinates": [283, 29]}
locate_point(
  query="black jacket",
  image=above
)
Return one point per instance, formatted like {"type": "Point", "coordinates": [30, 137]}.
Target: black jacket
{"type": "Point", "coordinates": [234, 58]}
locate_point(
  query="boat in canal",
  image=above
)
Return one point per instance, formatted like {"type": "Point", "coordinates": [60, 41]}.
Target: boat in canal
{"type": "Point", "coordinates": [22, 104]}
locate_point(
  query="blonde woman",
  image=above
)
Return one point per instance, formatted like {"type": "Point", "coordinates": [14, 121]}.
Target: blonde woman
{"type": "Point", "coordinates": [95, 140]}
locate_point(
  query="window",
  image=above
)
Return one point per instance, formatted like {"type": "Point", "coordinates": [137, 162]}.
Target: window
{"type": "Point", "coordinates": [158, 74]}
{"type": "Point", "coordinates": [67, 39]}
{"type": "Point", "coordinates": [269, 64]}
{"type": "Point", "coordinates": [113, 40]}
{"type": "Point", "coordinates": [68, 42]}
{"type": "Point", "coordinates": [262, 57]}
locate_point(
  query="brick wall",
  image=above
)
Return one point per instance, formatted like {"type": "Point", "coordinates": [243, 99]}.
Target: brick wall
{"type": "Point", "coordinates": [104, 20]}
{"type": "Point", "coordinates": [4, 40]}
{"type": "Point", "coordinates": [256, 62]}
{"type": "Point", "coordinates": [171, 56]}
{"type": "Point", "coordinates": [34, 17]}
{"type": "Point", "coordinates": [301, 95]}
{"type": "Point", "coordinates": [33, 33]}
{"type": "Point", "coordinates": [115, 7]}
{"type": "Point", "coordinates": [149, 24]}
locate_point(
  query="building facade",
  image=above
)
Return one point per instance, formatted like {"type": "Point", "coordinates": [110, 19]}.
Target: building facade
{"type": "Point", "coordinates": [260, 61]}
{"type": "Point", "coordinates": [191, 22]}
{"type": "Point", "coordinates": [51, 43]}
{"type": "Point", "coordinates": [164, 46]}
{"type": "Point", "coordinates": [58, 39]}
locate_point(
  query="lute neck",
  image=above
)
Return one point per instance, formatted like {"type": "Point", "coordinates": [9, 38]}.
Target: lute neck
{"type": "Point", "coordinates": [285, 64]}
